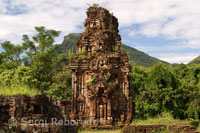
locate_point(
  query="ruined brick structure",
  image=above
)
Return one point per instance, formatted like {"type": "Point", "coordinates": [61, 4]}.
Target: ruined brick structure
{"type": "Point", "coordinates": [101, 72]}
{"type": "Point", "coordinates": [160, 129]}
{"type": "Point", "coordinates": [100, 84]}
{"type": "Point", "coordinates": [26, 109]}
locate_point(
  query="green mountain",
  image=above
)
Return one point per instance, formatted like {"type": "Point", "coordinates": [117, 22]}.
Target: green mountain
{"type": "Point", "coordinates": [140, 58]}
{"type": "Point", "coordinates": [195, 61]}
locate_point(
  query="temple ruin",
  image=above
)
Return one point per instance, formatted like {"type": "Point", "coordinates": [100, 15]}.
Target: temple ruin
{"type": "Point", "coordinates": [100, 85]}
{"type": "Point", "coordinates": [101, 72]}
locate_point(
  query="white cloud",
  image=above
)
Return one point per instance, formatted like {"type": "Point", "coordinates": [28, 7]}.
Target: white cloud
{"type": "Point", "coordinates": [173, 19]}
{"type": "Point", "coordinates": [166, 48]}
{"type": "Point", "coordinates": [65, 16]}
{"type": "Point", "coordinates": [3, 6]}
{"type": "Point", "coordinates": [177, 58]}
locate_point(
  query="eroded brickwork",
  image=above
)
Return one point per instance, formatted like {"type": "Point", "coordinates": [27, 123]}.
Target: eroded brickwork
{"type": "Point", "coordinates": [160, 129]}
{"type": "Point", "coordinates": [34, 114]}
{"type": "Point", "coordinates": [101, 72]}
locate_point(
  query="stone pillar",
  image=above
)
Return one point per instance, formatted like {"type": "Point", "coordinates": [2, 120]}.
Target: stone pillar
{"type": "Point", "coordinates": [73, 88]}
{"type": "Point", "coordinates": [101, 108]}
{"type": "Point", "coordinates": [75, 92]}
{"type": "Point", "coordinates": [105, 111]}
{"type": "Point", "coordinates": [109, 111]}
{"type": "Point", "coordinates": [98, 110]}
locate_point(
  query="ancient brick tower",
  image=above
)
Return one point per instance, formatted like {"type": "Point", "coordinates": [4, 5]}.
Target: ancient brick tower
{"type": "Point", "coordinates": [101, 72]}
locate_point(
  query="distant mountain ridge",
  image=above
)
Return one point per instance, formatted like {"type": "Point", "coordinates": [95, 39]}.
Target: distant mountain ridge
{"type": "Point", "coordinates": [195, 61]}
{"type": "Point", "coordinates": [140, 58]}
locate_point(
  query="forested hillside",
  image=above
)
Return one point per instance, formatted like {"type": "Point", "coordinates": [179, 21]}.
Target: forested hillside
{"type": "Point", "coordinates": [195, 61]}
{"type": "Point", "coordinates": [38, 66]}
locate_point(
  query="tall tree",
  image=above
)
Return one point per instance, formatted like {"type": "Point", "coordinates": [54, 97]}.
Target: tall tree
{"type": "Point", "coordinates": [43, 41]}
{"type": "Point", "coordinates": [39, 54]}
{"type": "Point", "coordinates": [11, 57]}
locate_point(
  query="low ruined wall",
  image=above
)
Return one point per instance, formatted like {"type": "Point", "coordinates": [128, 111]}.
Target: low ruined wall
{"type": "Point", "coordinates": [20, 106]}
{"type": "Point", "coordinates": [159, 128]}
{"type": "Point", "coordinates": [47, 128]}
{"type": "Point", "coordinates": [183, 129]}
{"type": "Point", "coordinates": [144, 128]}
{"type": "Point", "coordinates": [25, 113]}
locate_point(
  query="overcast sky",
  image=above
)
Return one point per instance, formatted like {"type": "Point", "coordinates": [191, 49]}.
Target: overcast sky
{"type": "Point", "coordinates": [166, 29]}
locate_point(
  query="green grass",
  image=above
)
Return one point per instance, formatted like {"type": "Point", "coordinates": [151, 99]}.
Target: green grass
{"type": "Point", "coordinates": [165, 118]}
{"type": "Point", "coordinates": [18, 90]}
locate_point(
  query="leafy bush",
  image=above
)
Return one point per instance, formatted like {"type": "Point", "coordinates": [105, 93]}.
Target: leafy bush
{"type": "Point", "coordinates": [61, 87]}
{"type": "Point", "coordinates": [164, 89]}
{"type": "Point", "coordinates": [23, 75]}
{"type": "Point", "coordinates": [6, 77]}
{"type": "Point", "coordinates": [18, 90]}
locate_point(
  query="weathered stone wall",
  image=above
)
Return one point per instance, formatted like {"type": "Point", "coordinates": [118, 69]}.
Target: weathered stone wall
{"type": "Point", "coordinates": [101, 72]}
{"type": "Point", "coordinates": [33, 109]}
{"type": "Point", "coordinates": [159, 128]}
{"type": "Point", "coordinates": [35, 128]}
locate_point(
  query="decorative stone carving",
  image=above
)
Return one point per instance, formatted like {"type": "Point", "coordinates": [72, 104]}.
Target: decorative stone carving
{"type": "Point", "coordinates": [101, 72]}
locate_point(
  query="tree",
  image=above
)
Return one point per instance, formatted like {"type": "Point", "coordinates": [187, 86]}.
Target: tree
{"type": "Point", "coordinates": [42, 68]}
{"type": "Point", "coordinates": [11, 57]}
{"type": "Point", "coordinates": [137, 81]}
{"type": "Point", "coordinates": [61, 87]}
{"type": "Point", "coordinates": [193, 81]}
{"type": "Point", "coordinates": [41, 42]}
{"type": "Point", "coordinates": [157, 93]}
{"type": "Point", "coordinates": [40, 55]}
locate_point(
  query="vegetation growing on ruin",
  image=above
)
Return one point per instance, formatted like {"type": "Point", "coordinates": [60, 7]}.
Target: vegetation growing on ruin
{"type": "Point", "coordinates": [94, 52]}
{"type": "Point", "coordinates": [82, 52]}
{"type": "Point", "coordinates": [93, 5]}
{"type": "Point", "coordinates": [92, 81]}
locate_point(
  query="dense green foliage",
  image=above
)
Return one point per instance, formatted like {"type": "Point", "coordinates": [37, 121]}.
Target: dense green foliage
{"type": "Point", "coordinates": [166, 89]}
{"type": "Point", "coordinates": [35, 63]}
{"type": "Point", "coordinates": [38, 66]}
{"type": "Point", "coordinates": [140, 58]}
